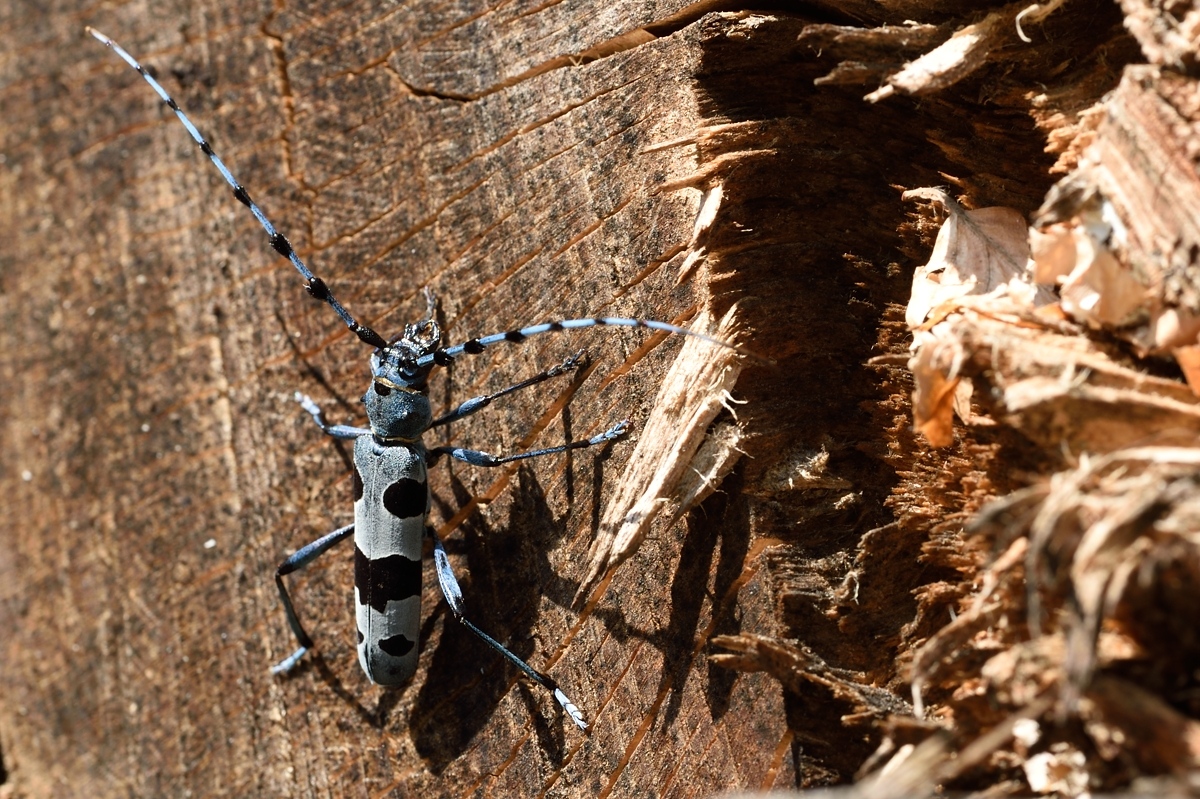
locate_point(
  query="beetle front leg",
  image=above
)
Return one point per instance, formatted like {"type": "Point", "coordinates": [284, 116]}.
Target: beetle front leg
{"type": "Point", "coordinates": [342, 431]}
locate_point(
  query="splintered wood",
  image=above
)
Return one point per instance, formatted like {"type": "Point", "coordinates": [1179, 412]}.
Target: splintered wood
{"type": "Point", "coordinates": [1064, 332]}
{"type": "Point", "coordinates": [1095, 593]}
{"type": "Point", "coordinates": [1119, 238]}
{"type": "Point", "coordinates": [676, 463]}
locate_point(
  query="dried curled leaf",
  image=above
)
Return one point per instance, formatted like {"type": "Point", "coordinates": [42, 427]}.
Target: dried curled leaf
{"type": "Point", "coordinates": [1095, 288]}
{"type": "Point", "coordinates": [935, 372]}
{"type": "Point", "coordinates": [982, 254]}
{"type": "Point", "coordinates": [1188, 359]}
{"type": "Point", "coordinates": [976, 252]}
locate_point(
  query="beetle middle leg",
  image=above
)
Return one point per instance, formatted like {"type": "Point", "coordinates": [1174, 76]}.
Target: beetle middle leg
{"type": "Point", "coordinates": [479, 458]}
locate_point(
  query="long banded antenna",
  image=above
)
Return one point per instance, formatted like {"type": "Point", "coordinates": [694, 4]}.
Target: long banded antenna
{"type": "Point", "coordinates": [445, 356]}
{"type": "Point", "coordinates": [313, 284]}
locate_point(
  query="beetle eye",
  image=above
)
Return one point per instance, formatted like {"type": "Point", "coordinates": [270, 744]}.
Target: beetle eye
{"type": "Point", "coordinates": [381, 389]}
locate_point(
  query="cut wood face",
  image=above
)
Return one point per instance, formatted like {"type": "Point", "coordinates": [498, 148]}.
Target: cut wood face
{"type": "Point", "coordinates": [521, 187]}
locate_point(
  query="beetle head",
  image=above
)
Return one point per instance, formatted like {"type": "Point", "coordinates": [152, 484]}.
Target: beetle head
{"type": "Point", "coordinates": [396, 403]}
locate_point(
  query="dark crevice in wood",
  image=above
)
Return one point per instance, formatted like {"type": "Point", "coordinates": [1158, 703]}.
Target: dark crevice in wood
{"type": "Point", "coordinates": [814, 242]}
{"type": "Point", "coordinates": [423, 91]}
{"type": "Point", "coordinates": [279, 58]}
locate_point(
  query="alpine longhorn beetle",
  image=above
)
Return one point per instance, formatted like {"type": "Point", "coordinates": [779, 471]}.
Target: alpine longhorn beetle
{"type": "Point", "coordinates": [391, 495]}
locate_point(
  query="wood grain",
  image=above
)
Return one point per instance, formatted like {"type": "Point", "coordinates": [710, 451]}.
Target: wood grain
{"type": "Point", "coordinates": [161, 468]}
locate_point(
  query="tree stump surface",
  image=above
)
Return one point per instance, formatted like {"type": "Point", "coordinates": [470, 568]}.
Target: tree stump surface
{"type": "Point", "coordinates": [527, 163]}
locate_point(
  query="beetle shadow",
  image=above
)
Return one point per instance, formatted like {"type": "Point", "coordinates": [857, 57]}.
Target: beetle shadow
{"type": "Point", "coordinates": [345, 407]}
{"type": "Point", "coordinates": [717, 530]}
{"type": "Point", "coordinates": [376, 718]}
{"type": "Point", "coordinates": [505, 574]}
{"type": "Point", "coordinates": [725, 516]}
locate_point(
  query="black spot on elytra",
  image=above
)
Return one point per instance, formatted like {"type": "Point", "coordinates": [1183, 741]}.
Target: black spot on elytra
{"type": "Point", "coordinates": [384, 580]}
{"type": "Point", "coordinates": [358, 485]}
{"type": "Point", "coordinates": [397, 646]}
{"type": "Point", "coordinates": [406, 498]}
{"type": "Point", "coordinates": [360, 637]}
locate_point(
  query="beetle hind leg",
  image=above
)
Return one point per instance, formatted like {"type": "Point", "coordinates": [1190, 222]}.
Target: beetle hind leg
{"type": "Point", "coordinates": [298, 560]}
{"type": "Point", "coordinates": [454, 597]}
